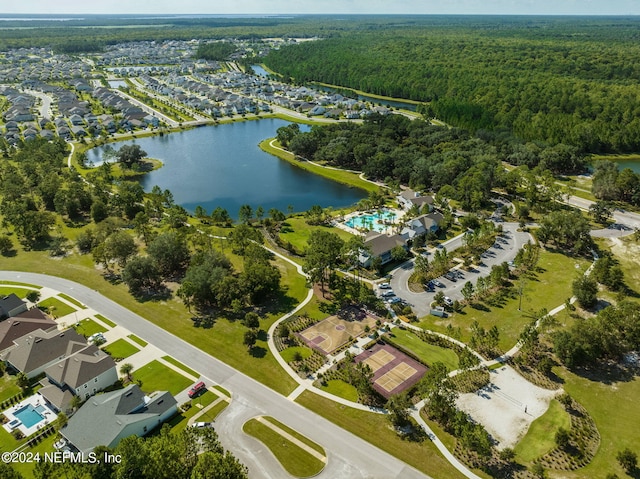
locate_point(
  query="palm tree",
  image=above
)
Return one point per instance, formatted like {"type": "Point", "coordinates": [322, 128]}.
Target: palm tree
{"type": "Point", "coordinates": [126, 369]}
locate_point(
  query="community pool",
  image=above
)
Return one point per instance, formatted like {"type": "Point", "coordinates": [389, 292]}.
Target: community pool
{"type": "Point", "coordinates": [30, 415]}
{"type": "Point", "coordinates": [378, 221]}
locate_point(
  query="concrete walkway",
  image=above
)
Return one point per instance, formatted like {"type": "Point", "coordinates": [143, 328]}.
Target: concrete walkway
{"type": "Point", "coordinates": [289, 437]}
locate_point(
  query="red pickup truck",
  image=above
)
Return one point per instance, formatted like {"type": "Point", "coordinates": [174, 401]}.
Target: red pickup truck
{"type": "Point", "coordinates": [196, 389]}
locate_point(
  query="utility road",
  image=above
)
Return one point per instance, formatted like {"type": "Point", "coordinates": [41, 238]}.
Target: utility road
{"type": "Point", "coordinates": [349, 457]}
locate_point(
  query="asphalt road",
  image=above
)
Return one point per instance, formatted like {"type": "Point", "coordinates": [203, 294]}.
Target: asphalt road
{"type": "Point", "coordinates": [349, 457]}
{"type": "Point", "coordinates": [508, 246]}
{"type": "Point", "coordinates": [632, 220]}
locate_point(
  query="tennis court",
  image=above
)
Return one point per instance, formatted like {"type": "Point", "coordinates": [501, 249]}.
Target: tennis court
{"type": "Point", "coordinates": [333, 332]}
{"type": "Point", "coordinates": [393, 371]}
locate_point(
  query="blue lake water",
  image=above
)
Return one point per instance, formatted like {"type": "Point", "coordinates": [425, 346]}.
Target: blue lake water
{"type": "Point", "coordinates": [223, 166]}
{"type": "Point", "coordinates": [259, 71]}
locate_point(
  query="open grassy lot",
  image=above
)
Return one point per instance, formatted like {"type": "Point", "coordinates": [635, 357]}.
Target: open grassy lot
{"type": "Point", "coordinates": [341, 176]}
{"type": "Point", "coordinates": [222, 339]}
{"type": "Point", "coordinates": [87, 327]}
{"type": "Point", "coordinates": [548, 288]}
{"type": "Point", "coordinates": [157, 377]}
{"type": "Point", "coordinates": [540, 437]}
{"type": "Point", "coordinates": [427, 353]}
{"type": "Point", "coordinates": [8, 386]}
{"type": "Point", "coordinates": [289, 353]}
{"type": "Point", "coordinates": [19, 292]}
{"type": "Point", "coordinates": [339, 388]}
{"type": "Point", "coordinates": [56, 308]}
{"type": "Point", "coordinates": [296, 231]}
{"type": "Point", "coordinates": [121, 348]}
{"type": "Point", "coordinates": [295, 460]}
{"type": "Point", "coordinates": [179, 365]}
{"type": "Point", "coordinates": [613, 404]}
{"type": "Point", "coordinates": [376, 429]}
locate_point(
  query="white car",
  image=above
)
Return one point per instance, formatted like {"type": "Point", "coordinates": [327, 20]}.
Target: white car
{"type": "Point", "coordinates": [201, 425]}
{"type": "Point", "coordinates": [96, 338]}
{"type": "Point", "coordinates": [448, 301]}
{"type": "Point", "coordinates": [388, 294]}
{"type": "Point", "coordinates": [384, 286]}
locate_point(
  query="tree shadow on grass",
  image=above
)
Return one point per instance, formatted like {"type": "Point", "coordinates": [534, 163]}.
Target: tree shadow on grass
{"type": "Point", "coordinates": [608, 373]}
{"type": "Point", "coordinates": [480, 306]}
{"type": "Point", "coordinates": [258, 352]}
{"type": "Point", "coordinates": [204, 321]}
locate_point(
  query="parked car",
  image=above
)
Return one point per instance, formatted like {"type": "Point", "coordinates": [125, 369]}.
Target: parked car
{"type": "Point", "coordinates": [448, 301]}
{"type": "Point", "coordinates": [384, 286]}
{"type": "Point", "coordinates": [429, 286]}
{"type": "Point", "coordinates": [201, 425]}
{"type": "Point", "coordinates": [451, 276]}
{"type": "Point", "coordinates": [438, 284]}
{"type": "Point", "coordinates": [196, 389]}
{"type": "Point", "coordinates": [388, 294]}
{"type": "Point", "coordinates": [395, 300]}
{"type": "Point", "coordinates": [97, 339]}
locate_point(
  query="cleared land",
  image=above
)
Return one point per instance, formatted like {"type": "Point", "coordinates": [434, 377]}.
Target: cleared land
{"type": "Point", "coordinates": [157, 377]}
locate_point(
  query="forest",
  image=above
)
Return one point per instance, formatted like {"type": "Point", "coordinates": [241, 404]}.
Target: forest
{"type": "Point", "coordinates": [555, 81]}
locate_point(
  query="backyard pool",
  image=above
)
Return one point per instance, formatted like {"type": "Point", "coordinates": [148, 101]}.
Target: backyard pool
{"type": "Point", "coordinates": [30, 415]}
{"type": "Point", "coordinates": [378, 221]}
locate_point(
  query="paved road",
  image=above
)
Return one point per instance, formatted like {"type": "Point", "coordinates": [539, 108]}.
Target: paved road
{"type": "Point", "coordinates": [508, 246]}
{"type": "Point", "coordinates": [349, 457]}
{"type": "Point", "coordinates": [627, 218]}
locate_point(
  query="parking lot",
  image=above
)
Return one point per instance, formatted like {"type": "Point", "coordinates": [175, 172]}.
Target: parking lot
{"type": "Point", "coordinates": [504, 250]}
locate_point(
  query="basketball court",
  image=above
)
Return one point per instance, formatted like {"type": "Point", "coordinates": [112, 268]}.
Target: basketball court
{"type": "Point", "coordinates": [333, 332]}
{"type": "Point", "coordinates": [393, 371]}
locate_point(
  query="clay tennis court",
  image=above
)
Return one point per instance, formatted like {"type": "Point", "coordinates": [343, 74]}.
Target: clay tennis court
{"type": "Point", "coordinates": [393, 371]}
{"type": "Point", "coordinates": [333, 332]}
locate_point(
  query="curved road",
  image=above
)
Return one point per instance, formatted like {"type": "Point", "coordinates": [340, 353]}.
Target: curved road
{"type": "Point", "coordinates": [349, 457]}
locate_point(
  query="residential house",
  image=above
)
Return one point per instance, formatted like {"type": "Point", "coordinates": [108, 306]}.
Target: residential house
{"type": "Point", "coordinates": [423, 224]}
{"type": "Point", "coordinates": [40, 349]}
{"type": "Point", "coordinates": [380, 245]}
{"type": "Point", "coordinates": [106, 419]}
{"type": "Point", "coordinates": [410, 198]}
{"type": "Point", "coordinates": [22, 324]}
{"type": "Point", "coordinates": [83, 374]}
{"type": "Point", "coordinates": [11, 305]}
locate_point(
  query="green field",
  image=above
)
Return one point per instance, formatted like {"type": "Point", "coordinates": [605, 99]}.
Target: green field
{"type": "Point", "coordinates": [295, 460]}
{"type": "Point", "coordinates": [339, 388]}
{"type": "Point", "coordinates": [157, 377]}
{"type": "Point", "coordinates": [289, 353]}
{"type": "Point", "coordinates": [427, 353]}
{"type": "Point", "coordinates": [121, 348]}
{"type": "Point", "coordinates": [87, 327]}
{"type": "Point", "coordinates": [540, 437]}
{"type": "Point", "coordinates": [296, 231]}
{"type": "Point", "coordinates": [548, 288]}
{"type": "Point", "coordinates": [56, 308]}
{"type": "Point", "coordinates": [375, 428]}
{"type": "Point", "coordinates": [179, 365]}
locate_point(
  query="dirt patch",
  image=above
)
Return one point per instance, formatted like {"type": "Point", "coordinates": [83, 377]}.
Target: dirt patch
{"type": "Point", "coordinates": [507, 406]}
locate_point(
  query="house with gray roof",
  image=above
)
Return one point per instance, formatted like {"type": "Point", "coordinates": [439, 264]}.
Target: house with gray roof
{"type": "Point", "coordinates": [21, 324]}
{"type": "Point", "coordinates": [11, 305]}
{"type": "Point", "coordinates": [83, 374]}
{"type": "Point", "coordinates": [423, 224]}
{"type": "Point", "coordinates": [380, 245]}
{"type": "Point", "coordinates": [106, 419]}
{"type": "Point", "coordinates": [410, 198]}
{"type": "Point", "coordinates": [39, 349]}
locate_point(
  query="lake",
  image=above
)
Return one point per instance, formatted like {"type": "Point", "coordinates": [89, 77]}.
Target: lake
{"type": "Point", "coordinates": [258, 70]}
{"type": "Point", "coordinates": [223, 166]}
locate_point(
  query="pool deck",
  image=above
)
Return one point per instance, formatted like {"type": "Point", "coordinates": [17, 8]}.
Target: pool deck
{"type": "Point", "coordinates": [35, 400]}
{"type": "Point", "coordinates": [388, 230]}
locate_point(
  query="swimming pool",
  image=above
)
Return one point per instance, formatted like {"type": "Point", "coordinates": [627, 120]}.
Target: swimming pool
{"type": "Point", "coordinates": [378, 221]}
{"type": "Point", "coordinates": [30, 415]}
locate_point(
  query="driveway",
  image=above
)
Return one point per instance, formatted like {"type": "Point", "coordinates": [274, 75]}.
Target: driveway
{"type": "Point", "coordinates": [507, 248]}
{"type": "Point", "coordinates": [349, 457]}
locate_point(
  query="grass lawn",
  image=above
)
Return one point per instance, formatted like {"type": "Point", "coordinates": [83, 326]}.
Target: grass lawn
{"type": "Point", "coordinates": [136, 339]}
{"type": "Point", "coordinates": [627, 252]}
{"type": "Point", "coordinates": [295, 460]}
{"type": "Point", "coordinates": [427, 353]}
{"type": "Point", "coordinates": [289, 353]}
{"type": "Point", "coordinates": [297, 435]}
{"type": "Point", "coordinates": [56, 308]}
{"type": "Point", "coordinates": [8, 386]}
{"type": "Point", "coordinates": [296, 231]}
{"type": "Point", "coordinates": [106, 321]}
{"type": "Point", "coordinates": [341, 176]}
{"type": "Point", "coordinates": [222, 390]}
{"type": "Point", "coordinates": [549, 287]}
{"type": "Point", "coordinates": [157, 377]}
{"type": "Point", "coordinates": [26, 468]}
{"type": "Point", "coordinates": [339, 388]}
{"type": "Point", "coordinates": [87, 327]}
{"type": "Point", "coordinates": [121, 349]}
{"type": "Point", "coordinates": [19, 292]}
{"type": "Point", "coordinates": [179, 421]}
{"type": "Point", "coordinates": [614, 407]}
{"type": "Point", "coordinates": [179, 365]}
{"type": "Point", "coordinates": [18, 283]}
{"type": "Point", "coordinates": [376, 429]}
{"type": "Point", "coordinates": [66, 297]}
{"type": "Point", "coordinates": [312, 309]}
{"type": "Point", "coordinates": [223, 339]}
{"type": "Point", "coordinates": [540, 437]}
